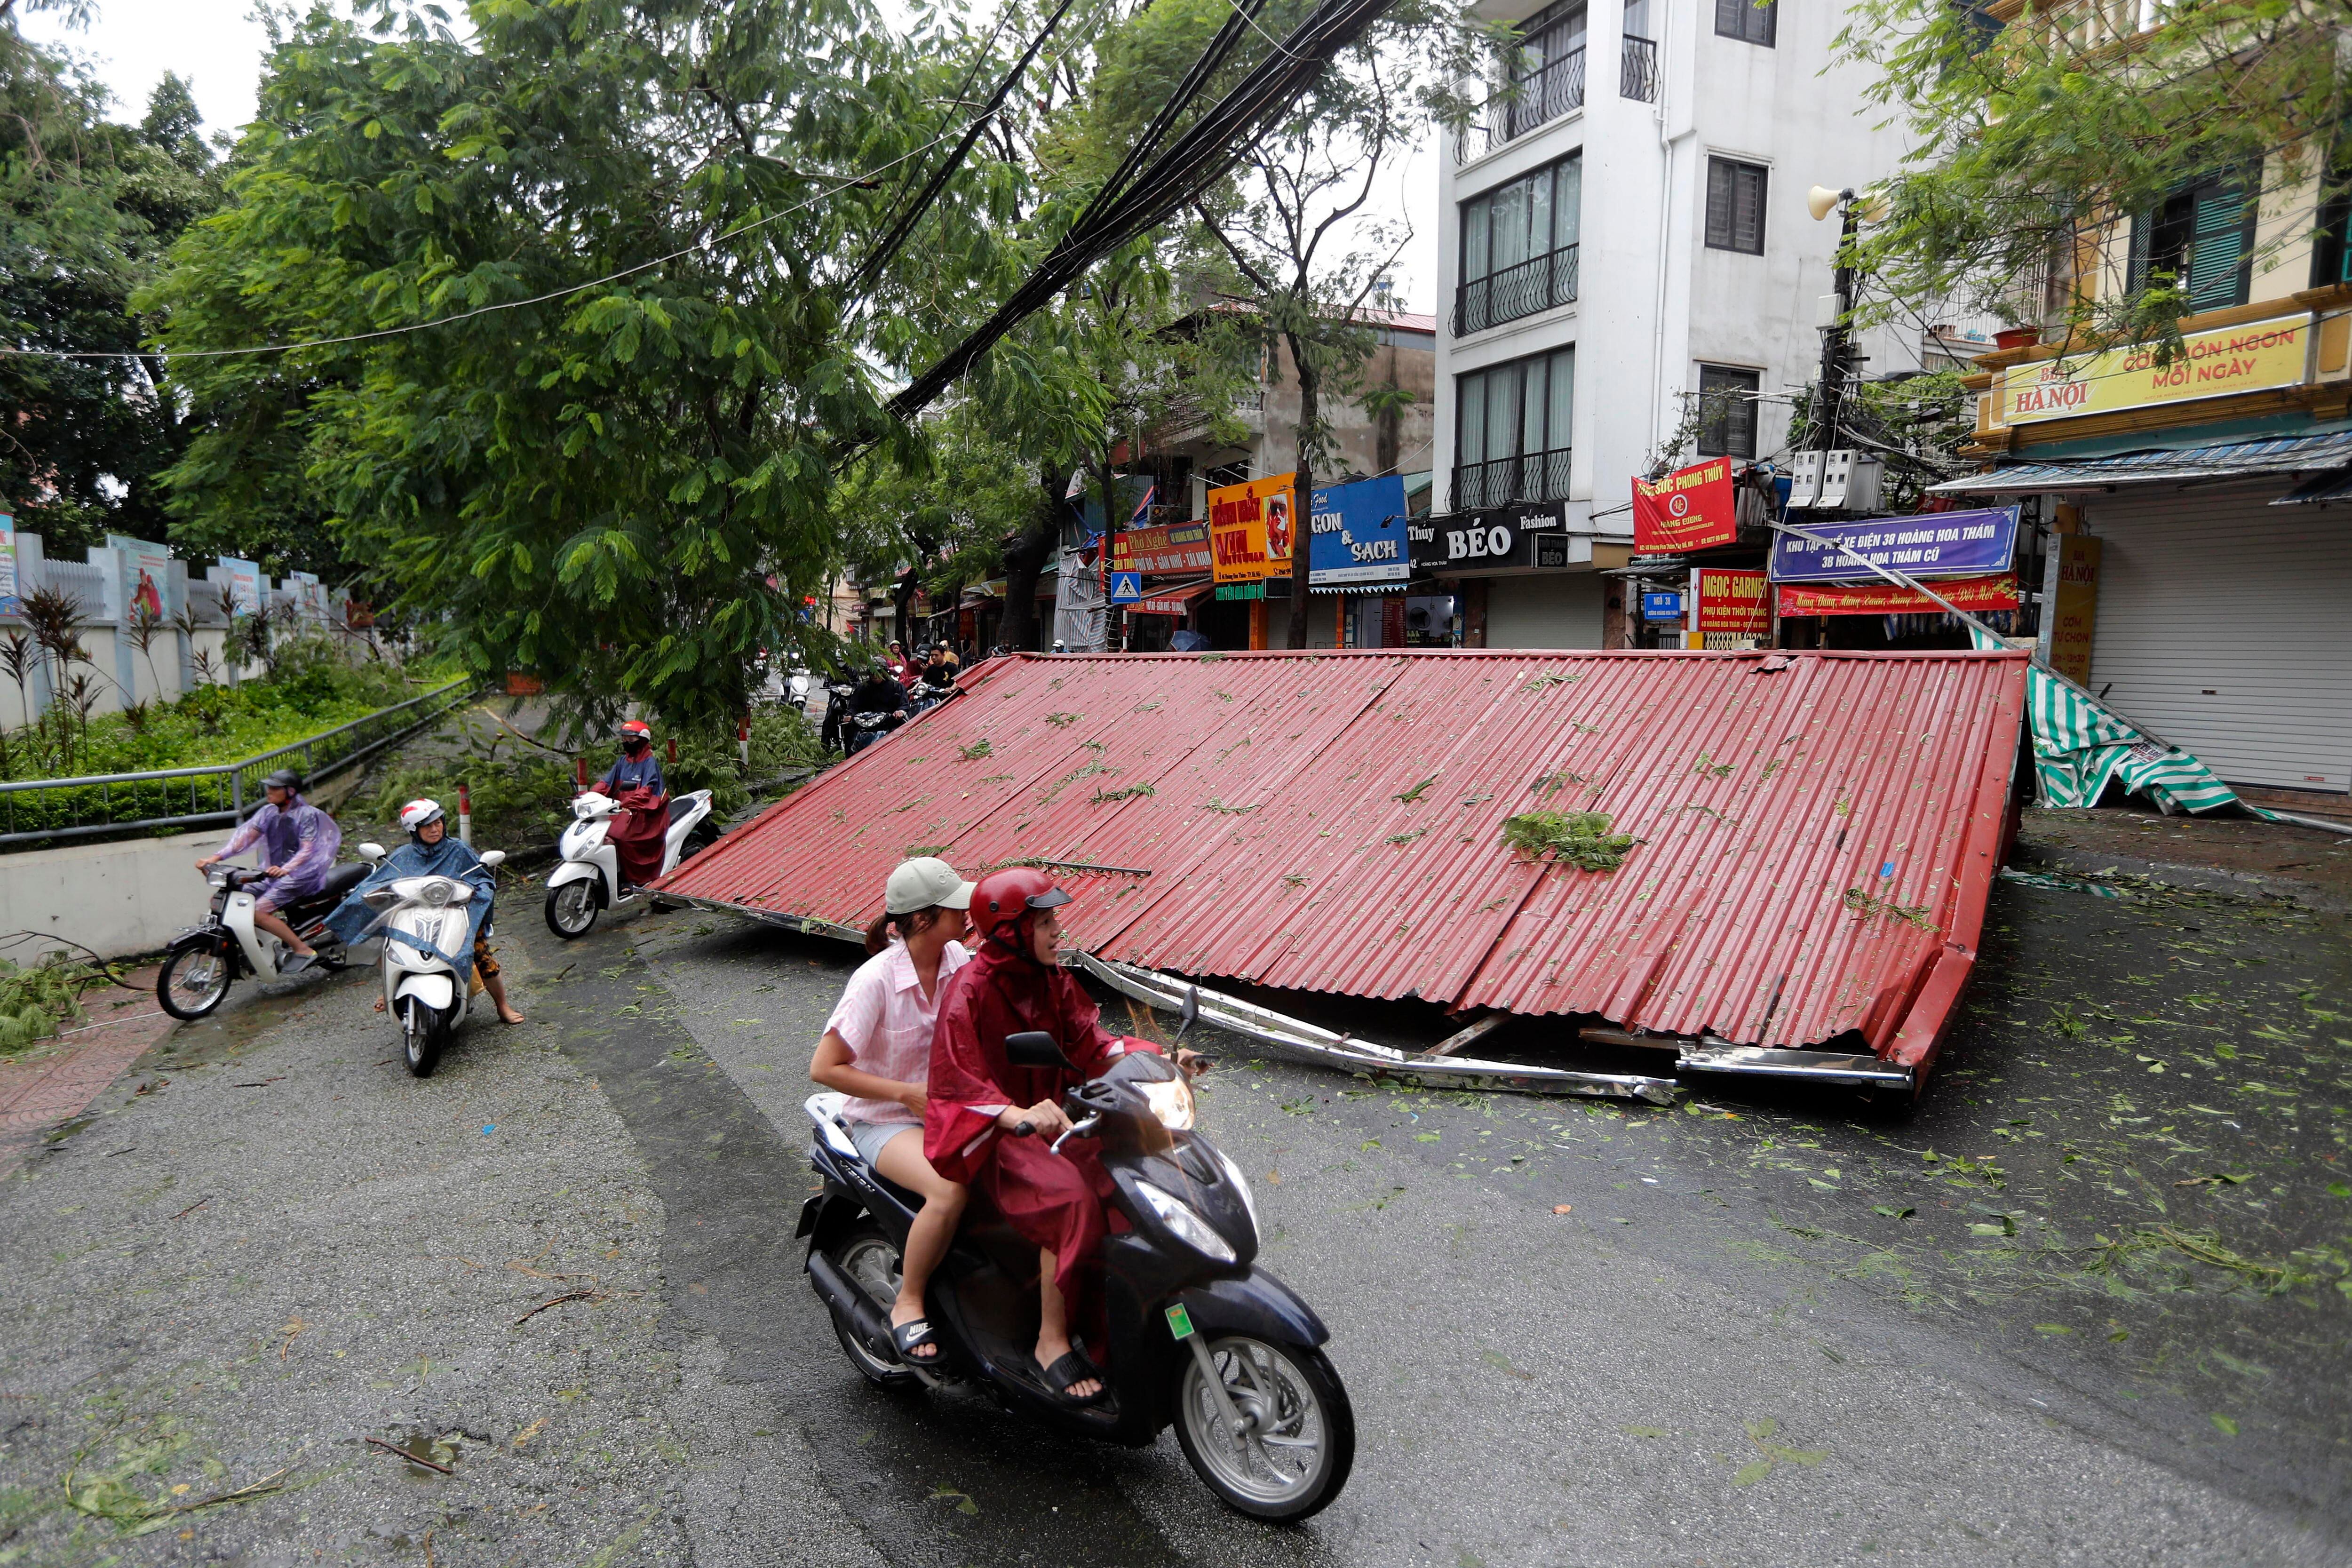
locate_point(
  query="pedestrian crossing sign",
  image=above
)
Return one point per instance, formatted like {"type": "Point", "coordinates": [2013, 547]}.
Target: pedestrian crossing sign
{"type": "Point", "coordinates": [1126, 587]}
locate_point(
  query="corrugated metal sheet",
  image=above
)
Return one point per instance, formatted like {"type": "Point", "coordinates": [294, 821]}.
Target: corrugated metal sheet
{"type": "Point", "coordinates": [2218, 460]}
{"type": "Point", "coordinates": [1818, 829]}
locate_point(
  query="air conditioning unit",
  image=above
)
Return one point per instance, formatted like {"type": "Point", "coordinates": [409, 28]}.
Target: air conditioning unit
{"type": "Point", "coordinates": [1842, 480]}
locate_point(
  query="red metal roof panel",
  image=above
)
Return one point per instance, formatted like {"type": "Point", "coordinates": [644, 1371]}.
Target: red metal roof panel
{"type": "Point", "coordinates": [1816, 828]}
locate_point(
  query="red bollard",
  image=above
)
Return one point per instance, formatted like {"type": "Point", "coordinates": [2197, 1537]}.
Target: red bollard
{"type": "Point", "coordinates": [673, 751]}
{"type": "Point", "coordinates": [580, 767]}
{"type": "Point", "coordinates": [465, 815]}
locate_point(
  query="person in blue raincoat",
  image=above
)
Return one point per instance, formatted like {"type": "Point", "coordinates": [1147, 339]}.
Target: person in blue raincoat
{"type": "Point", "coordinates": [432, 851]}
{"type": "Point", "coordinates": [640, 838]}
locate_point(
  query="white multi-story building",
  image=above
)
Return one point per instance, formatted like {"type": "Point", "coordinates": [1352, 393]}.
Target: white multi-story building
{"type": "Point", "coordinates": [1627, 231]}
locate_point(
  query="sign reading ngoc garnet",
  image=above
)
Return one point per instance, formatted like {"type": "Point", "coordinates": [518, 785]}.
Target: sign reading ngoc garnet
{"type": "Point", "coordinates": [1356, 535]}
{"type": "Point", "coordinates": [2257, 357]}
{"type": "Point", "coordinates": [1932, 544]}
{"type": "Point", "coordinates": [1250, 528]}
{"type": "Point", "coordinates": [1731, 603]}
{"type": "Point", "coordinates": [1690, 509]}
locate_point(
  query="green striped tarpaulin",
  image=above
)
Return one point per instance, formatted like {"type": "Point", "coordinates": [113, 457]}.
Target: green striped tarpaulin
{"type": "Point", "coordinates": [2080, 747]}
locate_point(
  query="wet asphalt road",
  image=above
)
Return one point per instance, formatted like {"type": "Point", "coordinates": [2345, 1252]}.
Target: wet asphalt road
{"type": "Point", "coordinates": [2082, 1306]}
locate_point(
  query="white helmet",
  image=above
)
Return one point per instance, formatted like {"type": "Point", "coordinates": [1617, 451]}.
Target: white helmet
{"type": "Point", "coordinates": [416, 814]}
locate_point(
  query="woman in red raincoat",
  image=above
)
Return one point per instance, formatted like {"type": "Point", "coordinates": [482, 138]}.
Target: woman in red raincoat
{"type": "Point", "coordinates": [639, 837]}
{"type": "Point", "coordinates": [977, 1098]}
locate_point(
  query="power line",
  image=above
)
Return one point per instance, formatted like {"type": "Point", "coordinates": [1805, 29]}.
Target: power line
{"type": "Point", "coordinates": [867, 181]}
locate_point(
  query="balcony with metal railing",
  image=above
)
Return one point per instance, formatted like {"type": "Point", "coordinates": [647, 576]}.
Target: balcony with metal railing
{"type": "Point", "coordinates": [1531, 476]}
{"type": "Point", "coordinates": [1524, 106]}
{"type": "Point", "coordinates": [1638, 75]}
{"type": "Point", "coordinates": [1531, 286]}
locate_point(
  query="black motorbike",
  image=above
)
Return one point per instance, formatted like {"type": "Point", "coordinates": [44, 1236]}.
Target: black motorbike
{"type": "Point", "coordinates": [1198, 1336]}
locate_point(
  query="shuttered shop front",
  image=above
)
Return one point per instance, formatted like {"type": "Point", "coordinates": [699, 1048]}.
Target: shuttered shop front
{"type": "Point", "coordinates": [2225, 625]}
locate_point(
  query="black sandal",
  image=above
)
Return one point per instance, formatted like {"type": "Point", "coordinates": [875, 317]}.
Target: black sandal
{"type": "Point", "coordinates": [908, 1338]}
{"type": "Point", "coordinates": [1075, 1368]}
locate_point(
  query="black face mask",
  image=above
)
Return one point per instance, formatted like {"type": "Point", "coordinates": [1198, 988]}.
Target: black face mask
{"type": "Point", "coordinates": [634, 744]}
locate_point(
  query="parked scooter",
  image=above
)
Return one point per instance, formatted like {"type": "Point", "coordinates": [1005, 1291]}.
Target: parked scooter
{"type": "Point", "coordinates": [587, 878]}
{"type": "Point", "coordinates": [1198, 1336]}
{"type": "Point", "coordinates": [424, 922]}
{"type": "Point", "coordinates": [205, 961]}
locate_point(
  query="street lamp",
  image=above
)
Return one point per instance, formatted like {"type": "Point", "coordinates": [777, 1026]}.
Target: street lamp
{"type": "Point", "coordinates": [1837, 338]}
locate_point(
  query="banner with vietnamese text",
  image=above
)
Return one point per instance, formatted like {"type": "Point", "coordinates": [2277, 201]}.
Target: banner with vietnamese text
{"type": "Point", "coordinates": [1690, 509]}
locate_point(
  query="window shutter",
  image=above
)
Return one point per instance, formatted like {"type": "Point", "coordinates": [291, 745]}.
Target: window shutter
{"type": "Point", "coordinates": [1718, 203]}
{"type": "Point", "coordinates": [2219, 250]}
{"type": "Point", "coordinates": [1728, 18]}
{"type": "Point", "coordinates": [1748, 215]}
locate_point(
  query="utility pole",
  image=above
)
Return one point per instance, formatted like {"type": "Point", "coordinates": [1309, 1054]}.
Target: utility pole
{"type": "Point", "coordinates": [1837, 338]}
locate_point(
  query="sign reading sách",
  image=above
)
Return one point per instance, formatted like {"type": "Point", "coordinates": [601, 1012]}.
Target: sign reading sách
{"type": "Point", "coordinates": [2223, 360]}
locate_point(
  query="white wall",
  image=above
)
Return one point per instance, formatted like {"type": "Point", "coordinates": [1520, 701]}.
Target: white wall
{"type": "Point", "coordinates": [1552, 610]}
{"type": "Point", "coordinates": [1653, 301]}
{"type": "Point", "coordinates": [120, 899]}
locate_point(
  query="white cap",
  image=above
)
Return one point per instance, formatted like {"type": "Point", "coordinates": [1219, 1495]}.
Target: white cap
{"type": "Point", "coordinates": [920, 883]}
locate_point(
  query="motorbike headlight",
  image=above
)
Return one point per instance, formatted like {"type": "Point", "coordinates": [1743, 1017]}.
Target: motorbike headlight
{"type": "Point", "coordinates": [435, 893]}
{"type": "Point", "coordinates": [1171, 1102]}
{"type": "Point", "coordinates": [1241, 1185]}
{"type": "Point", "coordinates": [1190, 1227]}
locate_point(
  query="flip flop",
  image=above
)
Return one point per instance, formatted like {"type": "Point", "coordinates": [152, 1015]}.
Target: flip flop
{"type": "Point", "coordinates": [1075, 1368]}
{"type": "Point", "coordinates": [909, 1337]}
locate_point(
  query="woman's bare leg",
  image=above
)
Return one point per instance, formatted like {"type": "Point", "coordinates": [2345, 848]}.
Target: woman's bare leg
{"type": "Point", "coordinates": [1054, 1325]}
{"type": "Point", "coordinates": [935, 1224]}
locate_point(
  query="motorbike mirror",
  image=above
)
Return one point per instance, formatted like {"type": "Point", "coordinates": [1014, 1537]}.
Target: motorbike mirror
{"type": "Point", "coordinates": [1033, 1049]}
{"type": "Point", "coordinates": [371, 851]}
{"type": "Point", "coordinates": [494, 857]}
{"type": "Point", "coordinates": [1191, 1014]}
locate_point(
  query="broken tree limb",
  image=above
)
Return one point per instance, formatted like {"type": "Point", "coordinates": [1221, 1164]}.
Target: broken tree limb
{"type": "Point", "coordinates": [412, 1458]}
{"type": "Point", "coordinates": [558, 1302]}
{"type": "Point", "coordinates": [1469, 1037]}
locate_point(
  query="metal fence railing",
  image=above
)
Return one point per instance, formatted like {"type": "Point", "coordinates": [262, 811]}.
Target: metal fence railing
{"type": "Point", "coordinates": [1536, 100]}
{"type": "Point", "coordinates": [1537, 284]}
{"type": "Point", "coordinates": [1533, 476]}
{"type": "Point", "coordinates": [44, 811]}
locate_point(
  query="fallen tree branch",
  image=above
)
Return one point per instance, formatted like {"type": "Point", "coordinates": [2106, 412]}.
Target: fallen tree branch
{"type": "Point", "coordinates": [412, 1458]}
{"type": "Point", "coordinates": [558, 1302]}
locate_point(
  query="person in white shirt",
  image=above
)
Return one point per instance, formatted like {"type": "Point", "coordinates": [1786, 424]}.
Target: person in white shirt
{"type": "Point", "coordinates": [876, 1049]}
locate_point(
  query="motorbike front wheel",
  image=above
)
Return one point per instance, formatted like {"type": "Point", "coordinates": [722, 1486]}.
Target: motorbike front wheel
{"type": "Point", "coordinates": [1300, 1440]}
{"type": "Point", "coordinates": [422, 1035]}
{"type": "Point", "coordinates": [572, 908]}
{"type": "Point", "coordinates": [194, 978]}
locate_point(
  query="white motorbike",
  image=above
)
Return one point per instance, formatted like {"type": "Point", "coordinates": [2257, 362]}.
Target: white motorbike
{"type": "Point", "coordinates": [205, 961]}
{"type": "Point", "coordinates": [425, 923]}
{"type": "Point", "coordinates": [587, 879]}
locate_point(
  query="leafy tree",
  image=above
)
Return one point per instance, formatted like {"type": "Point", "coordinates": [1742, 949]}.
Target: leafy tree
{"type": "Point", "coordinates": [1302, 259]}
{"type": "Point", "coordinates": [575, 382]}
{"type": "Point", "coordinates": [91, 208]}
{"type": "Point", "coordinates": [2034, 141]}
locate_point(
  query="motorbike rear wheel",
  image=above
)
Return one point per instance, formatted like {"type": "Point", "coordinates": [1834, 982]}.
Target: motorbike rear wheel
{"type": "Point", "coordinates": [1302, 1441]}
{"type": "Point", "coordinates": [195, 977]}
{"type": "Point", "coordinates": [421, 1037]}
{"type": "Point", "coordinates": [572, 908]}
{"type": "Point", "coordinates": [870, 1258]}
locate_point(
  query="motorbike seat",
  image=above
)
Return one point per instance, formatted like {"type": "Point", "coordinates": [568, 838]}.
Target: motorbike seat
{"type": "Point", "coordinates": [679, 806]}
{"type": "Point", "coordinates": [342, 880]}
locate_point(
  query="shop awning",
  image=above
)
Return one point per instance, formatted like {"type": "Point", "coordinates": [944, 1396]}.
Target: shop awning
{"type": "Point", "coordinates": [2178, 464]}
{"type": "Point", "coordinates": [2335, 484]}
{"type": "Point", "coordinates": [1175, 600]}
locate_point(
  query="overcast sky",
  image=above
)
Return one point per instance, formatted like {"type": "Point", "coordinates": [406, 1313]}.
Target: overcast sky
{"type": "Point", "coordinates": [216, 47]}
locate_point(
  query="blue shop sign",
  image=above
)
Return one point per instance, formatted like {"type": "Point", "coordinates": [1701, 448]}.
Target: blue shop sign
{"type": "Point", "coordinates": [1661, 607]}
{"type": "Point", "coordinates": [1932, 544]}
{"type": "Point", "coordinates": [1356, 535]}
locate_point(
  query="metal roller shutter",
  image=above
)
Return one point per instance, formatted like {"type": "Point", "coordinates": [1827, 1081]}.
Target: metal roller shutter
{"type": "Point", "coordinates": [1547, 610]}
{"type": "Point", "coordinates": [2225, 624]}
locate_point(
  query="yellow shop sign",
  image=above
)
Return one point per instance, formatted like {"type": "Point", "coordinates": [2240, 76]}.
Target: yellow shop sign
{"type": "Point", "coordinates": [2257, 357]}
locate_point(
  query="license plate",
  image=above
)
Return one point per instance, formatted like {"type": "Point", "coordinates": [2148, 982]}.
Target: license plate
{"type": "Point", "coordinates": [1179, 1321]}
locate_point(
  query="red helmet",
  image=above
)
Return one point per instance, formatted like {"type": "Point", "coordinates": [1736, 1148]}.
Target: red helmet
{"type": "Point", "coordinates": [636, 731]}
{"type": "Point", "coordinates": [1002, 902]}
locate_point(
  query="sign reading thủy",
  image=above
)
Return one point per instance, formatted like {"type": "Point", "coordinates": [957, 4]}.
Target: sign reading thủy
{"type": "Point", "coordinates": [2257, 357]}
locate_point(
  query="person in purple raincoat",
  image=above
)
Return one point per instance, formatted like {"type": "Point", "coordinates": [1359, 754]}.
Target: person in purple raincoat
{"type": "Point", "coordinates": [297, 849]}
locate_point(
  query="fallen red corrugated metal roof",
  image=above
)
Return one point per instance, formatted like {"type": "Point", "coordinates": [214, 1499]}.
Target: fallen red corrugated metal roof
{"type": "Point", "coordinates": [1818, 829]}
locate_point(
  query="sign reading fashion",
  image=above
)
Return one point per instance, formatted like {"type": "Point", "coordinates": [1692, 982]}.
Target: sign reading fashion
{"type": "Point", "coordinates": [2257, 357]}
{"type": "Point", "coordinates": [1690, 509]}
{"type": "Point", "coordinates": [1932, 544]}
{"type": "Point", "coordinates": [1356, 535]}
{"type": "Point", "coordinates": [1250, 528]}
